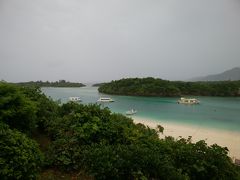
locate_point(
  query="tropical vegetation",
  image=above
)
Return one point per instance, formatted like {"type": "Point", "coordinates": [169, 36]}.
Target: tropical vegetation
{"type": "Point", "coordinates": [60, 83]}
{"type": "Point", "coordinates": [158, 87]}
{"type": "Point", "coordinates": [40, 139]}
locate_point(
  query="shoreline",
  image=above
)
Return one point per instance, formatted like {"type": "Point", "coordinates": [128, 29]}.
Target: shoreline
{"type": "Point", "coordinates": [224, 138]}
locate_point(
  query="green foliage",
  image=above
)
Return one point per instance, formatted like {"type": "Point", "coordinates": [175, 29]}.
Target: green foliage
{"type": "Point", "coordinates": [129, 161]}
{"type": "Point", "coordinates": [16, 109]}
{"type": "Point", "coordinates": [158, 87]}
{"type": "Point", "coordinates": [160, 128]}
{"type": "Point", "coordinates": [60, 83]}
{"type": "Point", "coordinates": [200, 161]}
{"type": "Point", "coordinates": [87, 125]}
{"type": "Point", "coordinates": [46, 109]}
{"type": "Point", "coordinates": [20, 157]}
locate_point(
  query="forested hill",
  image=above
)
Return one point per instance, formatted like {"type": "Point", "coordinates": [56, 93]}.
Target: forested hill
{"type": "Point", "coordinates": [158, 87]}
{"type": "Point", "coordinates": [60, 83]}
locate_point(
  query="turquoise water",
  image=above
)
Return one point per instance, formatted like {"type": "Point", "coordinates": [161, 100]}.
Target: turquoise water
{"type": "Point", "coordinates": [214, 112]}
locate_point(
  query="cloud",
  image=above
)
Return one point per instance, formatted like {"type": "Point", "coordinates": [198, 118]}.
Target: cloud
{"type": "Point", "coordinates": [103, 40]}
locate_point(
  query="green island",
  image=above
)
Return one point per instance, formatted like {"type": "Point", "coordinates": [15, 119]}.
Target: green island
{"type": "Point", "coordinates": [40, 139]}
{"type": "Point", "coordinates": [60, 83]}
{"type": "Point", "coordinates": [164, 88]}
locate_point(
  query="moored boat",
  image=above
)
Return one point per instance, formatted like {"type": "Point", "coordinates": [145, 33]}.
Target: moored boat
{"type": "Point", "coordinates": [131, 112]}
{"type": "Point", "coordinates": [75, 99]}
{"type": "Point", "coordinates": [188, 101]}
{"type": "Point", "coordinates": [105, 99]}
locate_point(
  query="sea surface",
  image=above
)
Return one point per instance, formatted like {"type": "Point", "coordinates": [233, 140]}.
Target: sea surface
{"type": "Point", "coordinates": [213, 112]}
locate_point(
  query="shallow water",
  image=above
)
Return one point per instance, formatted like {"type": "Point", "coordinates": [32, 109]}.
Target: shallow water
{"type": "Point", "coordinates": [214, 112]}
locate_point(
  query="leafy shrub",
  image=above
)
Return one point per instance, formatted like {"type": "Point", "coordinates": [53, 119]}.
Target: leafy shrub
{"type": "Point", "coordinates": [135, 161]}
{"type": "Point", "coordinates": [17, 110]}
{"type": "Point", "coordinates": [200, 161]}
{"type": "Point", "coordinates": [20, 157]}
{"type": "Point", "coordinates": [46, 108]}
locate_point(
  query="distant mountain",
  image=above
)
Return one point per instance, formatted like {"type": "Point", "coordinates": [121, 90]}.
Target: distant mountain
{"type": "Point", "coordinates": [232, 74]}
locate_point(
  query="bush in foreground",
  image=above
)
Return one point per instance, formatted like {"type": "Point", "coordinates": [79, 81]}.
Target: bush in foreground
{"type": "Point", "coordinates": [20, 157]}
{"type": "Point", "coordinates": [16, 109]}
{"type": "Point", "coordinates": [111, 146]}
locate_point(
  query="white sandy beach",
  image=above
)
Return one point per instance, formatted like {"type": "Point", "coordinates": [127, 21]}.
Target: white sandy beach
{"type": "Point", "coordinates": [224, 138]}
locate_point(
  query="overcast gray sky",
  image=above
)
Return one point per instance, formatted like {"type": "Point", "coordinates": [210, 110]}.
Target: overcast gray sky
{"type": "Point", "coordinates": [101, 40]}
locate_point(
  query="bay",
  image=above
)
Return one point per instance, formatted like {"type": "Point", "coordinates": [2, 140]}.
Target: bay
{"type": "Point", "coordinates": [213, 112]}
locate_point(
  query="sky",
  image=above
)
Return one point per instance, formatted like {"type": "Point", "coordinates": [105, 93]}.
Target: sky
{"type": "Point", "coordinates": [99, 41]}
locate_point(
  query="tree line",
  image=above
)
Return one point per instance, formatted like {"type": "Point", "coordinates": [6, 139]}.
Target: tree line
{"type": "Point", "coordinates": [158, 87]}
{"type": "Point", "coordinates": [60, 83]}
{"type": "Point", "coordinates": [38, 135]}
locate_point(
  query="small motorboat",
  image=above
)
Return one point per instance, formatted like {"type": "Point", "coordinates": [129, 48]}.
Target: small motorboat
{"type": "Point", "coordinates": [188, 101]}
{"type": "Point", "coordinates": [131, 112]}
{"type": "Point", "coordinates": [75, 99]}
{"type": "Point", "coordinates": [105, 99]}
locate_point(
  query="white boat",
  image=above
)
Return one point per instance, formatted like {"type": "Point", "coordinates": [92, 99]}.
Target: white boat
{"type": "Point", "coordinates": [131, 112]}
{"type": "Point", "coordinates": [105, 99]}
{"type": "Point", "coordinates": [188, 101]}
{"type": "Point", "coordinates": [75, 99]}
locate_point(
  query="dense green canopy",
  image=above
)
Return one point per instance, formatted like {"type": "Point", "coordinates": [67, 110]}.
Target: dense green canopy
{"type": "Point", "coordinates": [60, 83]}
{"type": "Point", "coordinates": [20, 157]}
{"type": "Point", "coordinates": [91, 139]}
{"type": "Point", "coordinates": [158, 87]}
